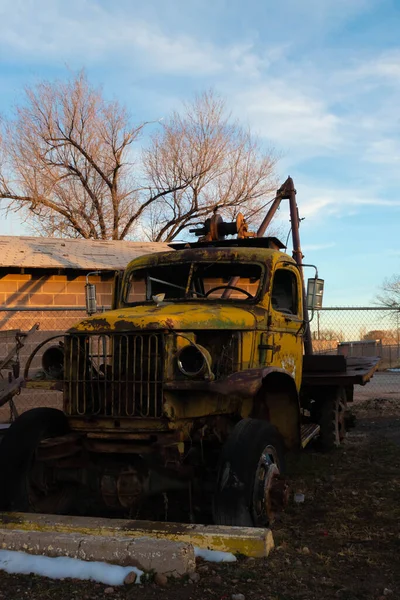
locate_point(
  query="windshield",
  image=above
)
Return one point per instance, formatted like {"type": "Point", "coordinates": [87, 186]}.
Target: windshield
{"type": "Point", "coordinates": [194, 281]}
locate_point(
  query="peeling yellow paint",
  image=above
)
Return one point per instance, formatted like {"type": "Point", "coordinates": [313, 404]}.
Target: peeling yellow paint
{"type": "Point", "coordinates": [249, 541]}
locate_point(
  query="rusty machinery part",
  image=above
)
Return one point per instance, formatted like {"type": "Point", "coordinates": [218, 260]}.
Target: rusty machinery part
{"type": "Point", "coordinates": [125, 487]}
{"type": "Point", "coordinates": [9, 388]}
{"type": "Point", "coordinates": [250, 488]}
{"type": "Point", "coordinates": [243, 228]}
{"type": "Point", "coordinates": [122, 488]}
{"type": "Point", "coordinates": [21, 337]}
{"type": "Point", "coordinates": [11, 382]}
{"type": "Point", "coordinates": [215, 228]}
{"type": "Point", "coordinates": [28, 484]}
{"type": "Point", "coordinates": [39, 347]}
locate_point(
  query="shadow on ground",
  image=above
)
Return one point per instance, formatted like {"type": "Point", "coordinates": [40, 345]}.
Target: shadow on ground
{"type": "Point", "coordinates": [343, 543]}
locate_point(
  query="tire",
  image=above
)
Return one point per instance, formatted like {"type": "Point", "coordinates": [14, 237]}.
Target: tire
{"type": "Point", "coordinates": [250, 487]}
{"type": "Point", "coordinates": [329, 413]}
{"type": "Point", "coordinates": [17, 459]}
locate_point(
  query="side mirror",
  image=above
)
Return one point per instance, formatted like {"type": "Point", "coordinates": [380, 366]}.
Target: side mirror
{"type": "Point", "coordinates": [90, 294]}
{"type": "Point", "coordinates": [91, 302]}
{"type": "Point", "coordinates": [315, 293]}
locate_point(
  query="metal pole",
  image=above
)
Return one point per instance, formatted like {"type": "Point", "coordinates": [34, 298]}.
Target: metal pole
{"type": "Point", "coordinates": [270, 214]}
{"type": "Point", "coordinates": [289, 192]}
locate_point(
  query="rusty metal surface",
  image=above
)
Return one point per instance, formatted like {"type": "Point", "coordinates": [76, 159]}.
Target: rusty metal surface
{"type": "Point", "coordinates": [9, 387]}
{"type": "Point", "coordinates": [44, 385]}
{"type": "Point", "coordinates": [45, 253]}
{"type": "Point", "coordinates": [243, 384]}
{"type": "Point", "coordinates": [308, 432]}
{"type": "Point", "coordinates": [11, 382]}
{"type": "Point", "coordinates": [21, 337]}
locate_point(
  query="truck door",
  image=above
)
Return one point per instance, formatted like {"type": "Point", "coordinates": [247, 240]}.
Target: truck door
{"type": "Point", "coordinates": [285, 330]}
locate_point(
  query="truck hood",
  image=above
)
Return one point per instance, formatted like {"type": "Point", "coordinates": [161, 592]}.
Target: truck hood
{"type": "Point", "coordinates": [171, 316]}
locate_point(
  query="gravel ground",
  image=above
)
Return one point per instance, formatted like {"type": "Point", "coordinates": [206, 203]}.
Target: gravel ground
{"type": "Point", "coordinates": [342, 543]}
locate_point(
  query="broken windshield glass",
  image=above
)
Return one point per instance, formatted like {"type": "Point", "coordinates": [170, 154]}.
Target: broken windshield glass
{"type": "Point", "coordinates": [191, 281]}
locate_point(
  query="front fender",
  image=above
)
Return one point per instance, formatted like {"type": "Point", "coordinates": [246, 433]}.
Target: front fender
{"type": "Point", "coordinates": [243, 384]}
{"type": "Point", "coordinates": [267, 393]}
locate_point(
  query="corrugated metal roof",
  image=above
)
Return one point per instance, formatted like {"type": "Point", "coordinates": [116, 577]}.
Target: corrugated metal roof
{"type": "Point", "coordinates": [50, 253]}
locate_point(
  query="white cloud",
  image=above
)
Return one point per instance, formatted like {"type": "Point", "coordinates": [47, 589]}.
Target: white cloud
{"type": "Point", "coordinates": [294, 118]}
{"type": "Point", "coordinates": [87, 33]}
{"type": "Point", "coordinates": [315, 247]}
{"type": "Point", "coordinates": [293, 109]}
{"type": "Point", "coordinates": [376, 67]}
{"type": "Point", "coordinates": [288, 101]}
{"type": "Point", "coordinates": [322, 203]}
{"type": "Point", "coordinates": [384, 151]}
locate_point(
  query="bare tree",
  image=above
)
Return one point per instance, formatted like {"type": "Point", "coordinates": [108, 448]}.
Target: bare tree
{"type": "Point", "coordinates": [386, 336]}
{"type": "Point", "coordinates": [224, 164]}
{"type": "Point", "coordinates": [390, 295]}
{"type": "Point", "coordinates": [66, 159]}
{"type": "Point", "coordinates": [330, 335]}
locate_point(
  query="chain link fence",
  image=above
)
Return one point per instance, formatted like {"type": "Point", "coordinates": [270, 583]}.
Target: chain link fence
{"type": "Point", "coordinates": [361, 331]}
{"type": "Point", "coordinates": [51, 323]}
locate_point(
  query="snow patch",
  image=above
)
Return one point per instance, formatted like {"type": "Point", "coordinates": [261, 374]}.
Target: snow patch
{"type": "Point", "coordinates": [63, 567]}
{"type": "Point", "coordinates": [214, 555]}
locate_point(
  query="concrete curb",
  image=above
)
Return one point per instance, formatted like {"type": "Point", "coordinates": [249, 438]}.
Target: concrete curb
{"type": "Point", "coordinates": [161, 556]}
{"type": "Point", "coordinates": [248, 541]}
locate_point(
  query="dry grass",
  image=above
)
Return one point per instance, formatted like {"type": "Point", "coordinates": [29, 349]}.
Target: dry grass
{"type": "Point", "coordinates": [342, 543]}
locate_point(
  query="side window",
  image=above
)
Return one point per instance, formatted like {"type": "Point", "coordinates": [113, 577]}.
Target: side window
{"type": "Point", "coordinates": [284, 292]}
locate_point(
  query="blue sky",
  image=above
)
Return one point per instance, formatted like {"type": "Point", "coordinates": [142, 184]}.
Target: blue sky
{"type": "Point", "coordinates": [318, 80]}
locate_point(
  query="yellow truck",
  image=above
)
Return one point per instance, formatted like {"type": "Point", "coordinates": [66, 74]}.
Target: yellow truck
{"type": "Point", "coordinates": [181, 401]}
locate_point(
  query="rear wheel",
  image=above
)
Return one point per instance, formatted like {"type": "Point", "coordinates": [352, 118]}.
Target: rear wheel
{"type": "Point", "coordinates": [27, 484]}
{"type": "Point", "coordinates": [250, 485]}
{"type": "Point", "coordinates": [330, 413]}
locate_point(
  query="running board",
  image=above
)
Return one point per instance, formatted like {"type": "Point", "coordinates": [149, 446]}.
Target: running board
{"type": "Point", "coordinates": [308, 432]}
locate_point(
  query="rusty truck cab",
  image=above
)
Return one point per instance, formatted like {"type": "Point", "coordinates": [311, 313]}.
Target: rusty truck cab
{"type": "Point", "coordinates": [179, 354]}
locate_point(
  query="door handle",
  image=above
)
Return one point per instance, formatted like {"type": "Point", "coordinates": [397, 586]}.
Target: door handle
{"type": "Point", "coordinates": [263, 349]}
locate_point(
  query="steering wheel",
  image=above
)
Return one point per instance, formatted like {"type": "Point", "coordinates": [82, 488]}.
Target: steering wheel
{"type": "Point", "coordinates": [227, 287]}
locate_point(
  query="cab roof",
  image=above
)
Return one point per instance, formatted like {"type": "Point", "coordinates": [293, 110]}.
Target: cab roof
{"type": "Point", "coordinates": [250, 242]}
{"type": "Point", "coordinates": [211, 252]}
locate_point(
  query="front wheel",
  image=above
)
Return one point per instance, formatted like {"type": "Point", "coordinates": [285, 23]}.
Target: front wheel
{"type": "Point", "coordinates": [29, 485]}
{"type": "Point", "coordinates": [250, 486]}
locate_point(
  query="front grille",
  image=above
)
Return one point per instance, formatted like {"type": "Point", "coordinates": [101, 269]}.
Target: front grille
{"type": "Point", "coordinates": [114, 375]}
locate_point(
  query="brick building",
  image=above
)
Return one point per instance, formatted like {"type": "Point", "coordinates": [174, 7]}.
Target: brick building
{"type": "Point", "coordinates": [42, 280]}
{"type": "Point", "coordinates": [50, 274]}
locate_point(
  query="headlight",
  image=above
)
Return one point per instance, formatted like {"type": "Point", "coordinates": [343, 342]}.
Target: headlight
{"type": "Point", "coordinates": [192, 361]}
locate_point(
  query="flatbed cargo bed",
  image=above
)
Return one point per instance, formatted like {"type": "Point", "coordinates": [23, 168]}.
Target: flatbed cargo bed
{"type": "Point", "coordinates": [324, 369]}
